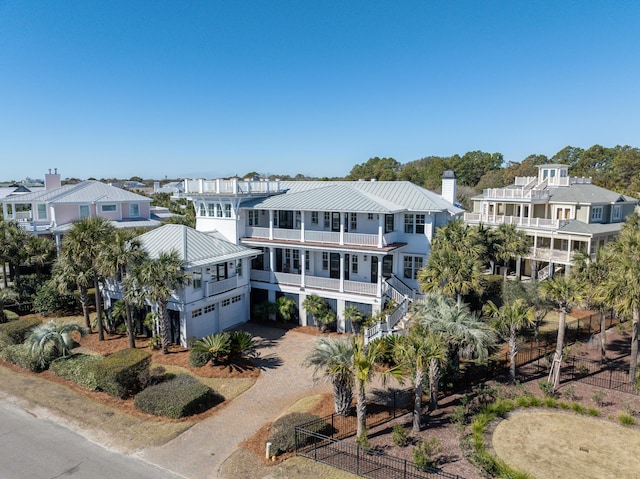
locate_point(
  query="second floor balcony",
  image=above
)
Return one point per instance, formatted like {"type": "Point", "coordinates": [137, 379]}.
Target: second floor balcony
{"type": "Point", "coordinates": [322, 237]}
{"type": "Point", "coordinates": [523, 222]}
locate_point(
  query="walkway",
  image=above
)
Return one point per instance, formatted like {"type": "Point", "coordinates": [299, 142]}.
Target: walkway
{"type": "Point", "coordinates": [199, 452]}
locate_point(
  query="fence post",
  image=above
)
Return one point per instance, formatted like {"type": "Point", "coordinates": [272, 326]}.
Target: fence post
{"type": "Point", "coordinates": [405, 469]}
{"type": "Point", "coordinates": [394, 403]}
{"type": "Point", "coordinates": [332, 426]}
{"type": "Point", "coordinates": [315, 448]}
{"type": "Point", "coordinates": [296, 432]}
{"type": "Point", "coordinates": [358, 459]}
{"type": "Point", "coordinates": [610, 377]}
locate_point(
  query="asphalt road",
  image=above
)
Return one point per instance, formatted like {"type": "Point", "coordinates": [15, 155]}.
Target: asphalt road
{"type": "Point", "coordinates": [36, 448]}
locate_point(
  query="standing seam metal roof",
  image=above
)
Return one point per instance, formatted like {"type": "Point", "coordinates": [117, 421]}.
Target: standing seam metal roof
{"type": "Point", "coordinates": [85, 192]}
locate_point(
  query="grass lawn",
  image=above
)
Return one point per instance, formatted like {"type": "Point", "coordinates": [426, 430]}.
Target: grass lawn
{"type": "Point", "coordinates": [554, 444]}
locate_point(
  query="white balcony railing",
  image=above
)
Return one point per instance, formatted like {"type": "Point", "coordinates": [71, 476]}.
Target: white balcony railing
{"type": "Point", "coordinates": [325, 237]}
{"type": "Point", "coordinates": [217, 287]}
{"type": "Point", "coordinates": [369, 289]}
{"type": "Point", "coordinates": [259, 275]}
{"type": "Point", "coordinates": [288, 278]}
{"type": "Point", "coordinates": [516, 194]}
{"type": "Point", "coordinates": [514, 220]}
{"type": "Point", "coordinates": [547, 254]}
{"type": "Point", "coordinates": [322, 283]}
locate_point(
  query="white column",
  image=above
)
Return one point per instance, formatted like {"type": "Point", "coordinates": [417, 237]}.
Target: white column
{"type": "Point", "coordinates": [272, 263]}
{"type": "Point", "coordinates": [270, 224]}
{"type": "Point", "coordinates": [380, 230]}
{"type": "Point", "coordinates": [341, 268]}
{"type": "Point", "coordinates": [341, 323]}
{"type": "Point", "coordinates": [302, 312]}
{"type": "Point", "coordinates": [342, 215]}
{"type": "Point", "coordinates": [302, 228]}
{"type": "Point", "coordinates": [379, 293]}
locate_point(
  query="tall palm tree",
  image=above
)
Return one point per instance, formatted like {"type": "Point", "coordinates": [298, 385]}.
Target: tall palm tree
{"type": "Point", "coordinates": [564, 291]}
{"type": "Point", "coordinates": [464, 333]}
{"type": "Point", "coordinates": [316, 306]}
{"type": "Point", "coordinates": [415, 353]}
{"type": "Point", "coordinates": [508, 319]}
{"type": "Point", "coordinates": [39, 252]}
{"type": "Point", "coordinates": [122, 255]}
{"type": "Point", "coordinates": [14, 242]}
{"type": "Point", "coordinates": [509, 242]}
{"type": "Point", "coordinates": [69, 270]}
{"type": "Point", "coordinates": [622, 286]}
{"type": "Point", "coordinates": [160, 278]}
{"type": "Point", "coordinates": [333, 359]}
{"type": "Point", "coordinates": [86, 241]}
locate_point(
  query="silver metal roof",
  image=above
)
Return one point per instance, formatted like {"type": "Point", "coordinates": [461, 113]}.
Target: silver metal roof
{"type": "Point", "coordinates": [355, 196]}
{"type": "Point", "coordinates": [586, 194]}
{"type": "Point", "coordinates": [89, 191]}
{"type": "Point", "coordinates": [195, 248]}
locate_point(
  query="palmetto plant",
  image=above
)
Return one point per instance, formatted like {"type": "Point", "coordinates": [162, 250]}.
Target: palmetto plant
{"type": "Point", "coordinates": [217, 345]}
{"type": "Point", "coordinates": [241, 343]}
{"type": "Point", "coordinates": [51, 340]}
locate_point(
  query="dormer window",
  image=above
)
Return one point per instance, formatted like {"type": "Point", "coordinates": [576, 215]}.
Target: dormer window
{"type": "Point", "coordinates": [596, 213]}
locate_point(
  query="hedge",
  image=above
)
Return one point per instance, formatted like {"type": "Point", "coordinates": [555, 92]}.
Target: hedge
{"type": "Point", "coordinates": [21, 355]}
{"type": "Point", "coordinates": [282, 435]}
{"type": "Point", "coordinates": [180, 396]}
{"type": "Point", "coordinates": [79, 368]}
{"type": "Point", "coordinates": [119, 373]}
{"type": "Point", "coordinates": [9, 316]}
{"type": "Point", "coordinates": [17, 331]}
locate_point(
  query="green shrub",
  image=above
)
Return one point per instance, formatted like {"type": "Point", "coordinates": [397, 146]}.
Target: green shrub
{"type": "Point", "coordinates": [282, 433]}
{"type": "Point", "coordinates": [626, 419]}
{"type": "Point", "coordinates": [217, 345]}
{"type": "Point", "coordinates": [21, 355]}
{"type": "Point", "coordinates": [79, 368]}
{"type": "Point", "coordinates": [119, 373]}
{"type": "Point", "coordinates": [578, 408]}
{"type": "Point", "coordinates": [198, 358]}
{"type": "Point", "coordinates": [426, 452]}
{"type": "Point", "coordinates": [18, 330]}
{"type": "Point", "coordinates": [9, 315]}
{"type": "Point", "coordinates": [547, 388]}
{"type": "Point", "coordinates": [48, 300]}
{"type": "Point", "coordinates": [180, 396]}
{"type": "Point", "coordinates": [593, 412]}
{"type": "Point", "coordinates": [240, 343]}
{"type": "Point", "coordinates": [400, 435]}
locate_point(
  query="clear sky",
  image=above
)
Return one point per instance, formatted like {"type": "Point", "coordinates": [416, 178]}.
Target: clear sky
{"type": "Point", "coordinates": [215, 88]}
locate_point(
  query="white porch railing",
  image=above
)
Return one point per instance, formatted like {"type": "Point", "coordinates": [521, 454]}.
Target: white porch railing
{"type": "Point", "coordinates": [288, 278]}
{"type": "Point", "coordinates": [259, 275]}
{"type": "Point", "coordinates": [545, 254]}
{"type": "Point", "coordinates": [361, 239]}
{"type": "Point", "coordinates": [322, 283]}
{"type": "Point", "coordinates": [314, 236]}
{"type": "Point", "coordinates": [217, 287]}
{"type": "Point", "coordinates": [514, 220]}
{"type": "Point", "coordinates": [321, 236]}
{"type": "Point", "coordinates": [257, 232]}
{"type": "Point", "coordinates": [516, 194]}
{"type": "Point", "coordinates": [358, 287]}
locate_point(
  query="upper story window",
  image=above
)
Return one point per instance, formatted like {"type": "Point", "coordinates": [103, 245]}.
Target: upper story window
{"type": "Point", "coordinates": [227, 210]}
{"type": "Point", "coordinates": [596, 213]}
{"type": "Point", "coordinates": [420, 220]}
{"type": "Point", "coordinates": [354, 221]}
{"type": "Point", "coordinates": [218, 210]}
{"type": "Point", "coordinates": [196, 278]}
{"type": "Point", "coordinates": [354, 264]}
{"type": "Point", "coordinates": [306, 260]}
{"type": "Point", "coordinates": [239, 268]}
{"type": "Point", "coordinates": [327, 220]}
{"type": "Point", "coordinates": [411, 266]}
{"type": "Point", "coordinates": [325, 261]}
{"type": "Point", "coordinates": [84, 211]}
{"type": "Point", "coordinates": [252, 218]}
{"type": "Point", "coordinates": [108, 208]}
{"type": "Point", "coordinates": [203, 210]}
{"type": "Point", "coordinates": [134, 210]}
{"type": "Point", "coordinates": [369, 216]}
{"type": "Point", "coordinates": [211, 209]}
{"type": "Point", "coordinates": [388, 223]}
{"type": "Point", "coordinates": [314, 217]}
{"type": "Point", "coordinates": [42, 211]}
{"type": "Point", "coordinates": [616, 213]}
{"type": "Point", "coordinates": [408, 223]}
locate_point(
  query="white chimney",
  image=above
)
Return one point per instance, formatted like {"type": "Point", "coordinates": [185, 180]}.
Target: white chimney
{"type": "Point", "coordinates": [52, 180]}
{"type": "Point", "coordinates": [449, 184]}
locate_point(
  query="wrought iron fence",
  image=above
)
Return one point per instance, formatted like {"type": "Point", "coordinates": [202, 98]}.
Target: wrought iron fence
{"type": "Point", "coordinates": [613, 375]}
{"type": "Point", "coordinates": [358, 460]}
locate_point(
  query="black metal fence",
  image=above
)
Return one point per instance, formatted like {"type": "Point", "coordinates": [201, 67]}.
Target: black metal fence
{"type": "Point", "coordinates": [612, 375]}
{"type": "Point", "coordinates": [350, 457]}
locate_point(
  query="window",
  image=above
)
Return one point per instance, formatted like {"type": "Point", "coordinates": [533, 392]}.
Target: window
{"type": "Point", "coordinates": [239, 268]}
{"type": "Point", "coordinates": [134, 210]}
{"type": "Point", "coordinates": [314, 217]}
{"type": "Point", "coordinates": [218, 210]}
{"type": "Point", "coordinates": [196, 312]}
{"type": "Point", "coordinates": [203, 211]}
{"type": "Point", "coordinates": [335, 222]}
{"type": "Point", "coordinates": [252, 218]}
{"type": "Point", "coordinates": [306, 260]}
{"type": "Point", "coordinates": [226, 302]}
{"type": "Point", "coordinates": [219, 272]}
{"type": "Point", "coordinates": [296, 260]}
{"type": "Point", "coordinates": [370, 216]}
{"type": "Point", "coordinates": [196, 277]}
{"type": "Point", "coordinates": [616, 212]}
{"type": "Point", "coordinates": [325, 261]}
{"type": "Point", "coordinates": [107, 208]}
{"type": "Point", "coordinates": [211, 209]}
{"type": "Point", "coordinates": [354, 221]}
{"type": "Point", "coordinates": [354, 264]}
{"type": "Point", "coordinates": [420, 224]}
{"type": "Point", "coordinates": [84, 211]}
{"type": "Point", "coordinates": [412, 264]}
{"type": "Point", "coordinates": [408, 223]}
{"type": "Point", "coordinates": [563, 173]}
{"type": "Point", "coordinates": [388, 223]}
{"type": "Point", "coordinates": [227, 210]}
{"type": "Point", "coordinates": [387, 266]}
{"type": "Point", "coordinates": [209, 308]}
{"type": "Point", "coordinates": [42, 211]}
{"type": "Point", "coordinates": [327, 219]}
{"type": "Point", "coordinates": [596, 213]}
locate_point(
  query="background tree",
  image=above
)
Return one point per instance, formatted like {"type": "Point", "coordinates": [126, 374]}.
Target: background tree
{"type": "Point", "coordinates": [160, 278]}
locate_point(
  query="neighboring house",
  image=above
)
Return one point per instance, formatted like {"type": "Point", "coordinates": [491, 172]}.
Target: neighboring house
{"type": "Point", "coordinates": [174, 188]}
{"type": "Point", "coordinates": [217, 297]}
{"type": "Point", "coordinates": [53, 210]}
{"type": "Point", "coordinates": [351, 242]}
{"type": "Point", "coordinates": [559, 214]}
{"type": "Point", "coordinates": [16, 190]}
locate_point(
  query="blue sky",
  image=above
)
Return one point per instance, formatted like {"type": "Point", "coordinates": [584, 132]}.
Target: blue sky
{"type": "Point", "coordinates": [215, 88]}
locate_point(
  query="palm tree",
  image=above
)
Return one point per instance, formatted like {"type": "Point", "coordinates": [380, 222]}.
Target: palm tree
{"type": "Point", "coordinates": [316, 306]}
{"type": "Point", "coordinates": [332, 358]}
{"type": "Point", "coordinates": [161, 278]}
{"type": "Point", "coordinates": [508, 319]}
{"type": "Point", "coordinates": [452, 273]}
{"type": "Point", "coordinates": [86, 242]}
{"type": "Point", "coordinates": [622, 286]}
{"type": "Point", "coordinates": [285, 308]}
{"type": "Point", "coordinates": [122, 255]}
{"type": "Point", "coordinates": [509, 242]}
{"type": "Point", "coordinates": [39, 251]}
{"type": "Point", "coordinates": [462, 331]}
{"type": "Point", "coordinates": [355, 316]}
{"type": "Point", "coordinates": [52, 339]}
{"type": "Point", "coordinates": [415, 353]}
{"type": "Point", "coordinates": [14, 240]}
{"type": "Point", "coordinates": [564, 292]}
{"type": "Point", "coordinates": [69, 270]}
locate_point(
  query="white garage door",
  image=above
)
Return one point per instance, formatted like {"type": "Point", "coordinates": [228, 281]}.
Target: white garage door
{"type": "Point", "coordinates": [232, 312]}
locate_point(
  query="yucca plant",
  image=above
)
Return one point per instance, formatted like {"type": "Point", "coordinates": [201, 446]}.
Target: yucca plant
{"type": "Point", "coordinates": [52, 340]}
{"type": "Point", "coordinates": [217, 345]}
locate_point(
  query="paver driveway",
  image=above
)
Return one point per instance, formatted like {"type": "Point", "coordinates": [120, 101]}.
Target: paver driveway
{"type": "Point", "coordinates": [199, 452]}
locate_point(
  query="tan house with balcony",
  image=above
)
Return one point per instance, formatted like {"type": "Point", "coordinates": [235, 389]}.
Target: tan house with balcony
{"type": "Point", "coordinates": [351, 242]}
{"type": "Point", "coordinates": [560, 215]}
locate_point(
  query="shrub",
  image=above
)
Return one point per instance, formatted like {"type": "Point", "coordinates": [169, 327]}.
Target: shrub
{"type": "Point", "coordinates": [8, 315]}
{"type": "Point", "coordinates": [21, 355]}
{"type": "Point", "coordinates": [119, 373]}
{"type": "Point", "coordinates": [48, 300]}
{"type": "Point", "coordinates": [626, 419]}
{"type": "Point", "coordinates": [180, 396]}
{"type": "Point", "coordinates": [17, 331]}
{"type": "Point", "coordinates": [217, 345]}
{"type": "Point", "coordinates": [198, 358]}
{"type": "Point", "coordinates": [400, 435]}
{"type": "Point", "coordinates": [598, 397]}
{"type": "Point", "coordinates": [578, 408]}
{"type": "Point", "coordinates": [241, 342]}
{"type": "Point", "coordinates": [79, 368]}
{"type": "Point", "coordinates": [282, 433]}
{"type": "Point", "coordinates": [593, 412]}
{"type": "Point", "coordinates": [425, 453]}
{"type": "Point", "coordinates": [547, 388]}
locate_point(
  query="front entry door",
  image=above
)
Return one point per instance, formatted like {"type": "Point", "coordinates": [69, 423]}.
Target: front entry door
{"type": "Point", "coordinates": [334, 265]}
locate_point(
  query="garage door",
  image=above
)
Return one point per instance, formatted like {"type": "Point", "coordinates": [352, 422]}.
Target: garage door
{"type": "Point", "coordinates": [232, 312]}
